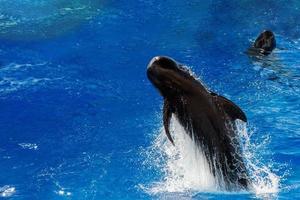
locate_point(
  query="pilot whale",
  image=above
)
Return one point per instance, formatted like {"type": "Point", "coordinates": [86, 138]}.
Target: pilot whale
{"type": "Point", "coordinates": [264, 44]}
{"type": "Point", "coordinates": [207, 117]}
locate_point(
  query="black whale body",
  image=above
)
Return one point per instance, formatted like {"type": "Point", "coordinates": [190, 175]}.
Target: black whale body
{"type": "Point", "coordinates": [264, 44]}
{"type": "Point", "coordinates": [206, 117]}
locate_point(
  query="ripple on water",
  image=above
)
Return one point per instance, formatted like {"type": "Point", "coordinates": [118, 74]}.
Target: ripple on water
{"type": "Point", "coordinates": [40, 19]}
{"type": "Point", "coordinates": [30, 146]}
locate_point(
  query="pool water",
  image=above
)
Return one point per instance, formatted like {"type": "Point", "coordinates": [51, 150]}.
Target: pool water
{"type": "Point", "coordinates": [80, 120]}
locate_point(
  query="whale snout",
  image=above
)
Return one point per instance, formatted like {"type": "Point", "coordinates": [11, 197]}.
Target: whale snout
{"type": "Point", "coordinates": [160, 71]}
{"type": "Point", "coordinates": [153, 61]}
{"type": "Point", "coordinates": [159, 68]}
{"type": "Point", "coordinates": [152, 67]}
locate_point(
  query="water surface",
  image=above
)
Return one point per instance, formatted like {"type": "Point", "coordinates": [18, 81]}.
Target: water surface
{"type": "Point", "coordinates": [80, 120]}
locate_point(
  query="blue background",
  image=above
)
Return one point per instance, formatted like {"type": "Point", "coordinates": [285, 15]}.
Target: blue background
{"type": "Point", "coordinates": [77, 113]}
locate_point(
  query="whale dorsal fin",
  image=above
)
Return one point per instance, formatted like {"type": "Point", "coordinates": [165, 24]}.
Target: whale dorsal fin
{"type": "Point", "coordinates": [167, 114]}
{"type": "Point", "coordinates": [230, 108]}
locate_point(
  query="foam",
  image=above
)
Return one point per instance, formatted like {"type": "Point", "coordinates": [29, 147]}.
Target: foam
{"type": "Point", "coordinates": [185, 168]}
{"type": "Point", "coordinates": [7, 191]}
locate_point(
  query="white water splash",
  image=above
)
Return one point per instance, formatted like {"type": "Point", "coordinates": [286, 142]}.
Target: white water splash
{"type": "Point", "coordinates": [31, 146]}
{"type": "Point", "coordinates": [62, 192]}
{"type": "Point", "coordinates": [263, 180]}
{"type": "Point", "coordinates": [7, 191]}
{"type": "Point", "coordinates": [185, 168]}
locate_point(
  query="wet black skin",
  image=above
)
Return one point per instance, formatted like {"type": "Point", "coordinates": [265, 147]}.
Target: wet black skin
{"type": "Point", "coordinates": [206, 117]}
{"type": "Point", "coordinates": [264, 44]}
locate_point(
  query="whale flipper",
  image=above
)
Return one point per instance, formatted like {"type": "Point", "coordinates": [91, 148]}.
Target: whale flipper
{"type": "Point", "coordinates": [167, 114]}
{"type": "Point", "coordinates": [230, 108]}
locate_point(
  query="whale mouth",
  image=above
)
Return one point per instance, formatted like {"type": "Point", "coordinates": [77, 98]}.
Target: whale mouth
{"type": "Point", "coordinates": [154, 70]}
{"type": "Point", "coordinates": [151, 74]}
{"type": "Point", "coordinates": [155, 81]}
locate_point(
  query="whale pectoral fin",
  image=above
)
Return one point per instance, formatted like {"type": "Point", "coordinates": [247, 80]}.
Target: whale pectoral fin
{"type": "Point", "coordinates": [230, 108]}
{"type": "Point", "coordinates": [167, 114]}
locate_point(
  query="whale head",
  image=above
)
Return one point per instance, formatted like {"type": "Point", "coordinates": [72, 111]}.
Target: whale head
{"type": "Point", "coordinates": [265, 41]}
{"type": "Point", "coordinates": [170, 77]}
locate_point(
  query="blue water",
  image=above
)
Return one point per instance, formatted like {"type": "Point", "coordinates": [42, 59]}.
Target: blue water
{"type": "Point", "coordinates": [80, 120]}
